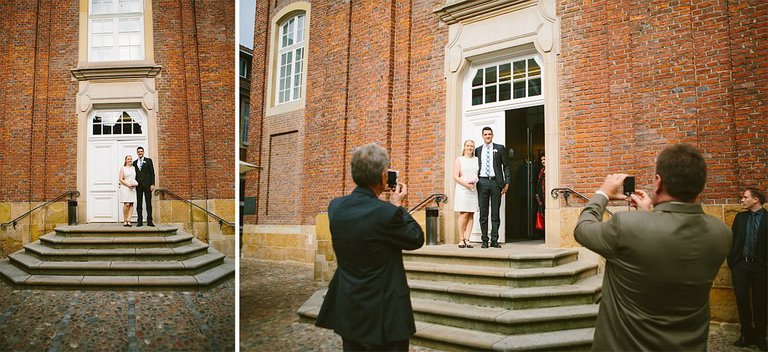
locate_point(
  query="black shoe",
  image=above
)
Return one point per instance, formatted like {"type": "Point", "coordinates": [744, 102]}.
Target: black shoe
{"type": "Point", "coordinates": [150, 224]}
{"type": "Point", "coordinates": [743, 341]}
{"type": "Point", "coordinates": [495, 245]}
{"type": "Point", "coordinates": [484, 245]}
{"type": "Point", "coordinates": [139, 225]}
{"type": "Point", "coordinates": [762, 345]}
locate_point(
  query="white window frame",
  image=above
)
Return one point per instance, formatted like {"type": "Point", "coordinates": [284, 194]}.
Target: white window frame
{"type": "Point", "coordinates": [245, 110]}
{"type": "Point", "coordinates": [126, 44]}
{"type": "Point", "coordinates": [138, 116]}
{"type": "Point", "coordinates": [290, 70]}
{"type": "Point", "coordinates": [512, 80]}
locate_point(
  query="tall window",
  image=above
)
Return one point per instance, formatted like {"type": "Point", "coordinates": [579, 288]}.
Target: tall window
{"type": "Point", "coordinates": [116, 30]}
{"type": "Point", "coordinates": [290, 59]}
{"type": "Point", "coordinates": [511, 80]}
{"type": "Point", "coordinates": [245, 109]}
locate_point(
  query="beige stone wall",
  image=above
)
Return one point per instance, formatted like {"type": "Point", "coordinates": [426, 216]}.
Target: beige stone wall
{"type": "Point", "coordinates": [294, 243]}
{"type": "Point", "coordinates": [722, 299]}
{"type": "Point", "coordinates": [196, 222]}
{"type": "Point", "coordinates": [31, 227]}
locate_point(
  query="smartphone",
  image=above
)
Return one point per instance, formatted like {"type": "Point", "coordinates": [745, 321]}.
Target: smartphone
{"type": "Point", "coordinates": [392, 179]}
{"type": "Point", "coordinates": [629, 185]}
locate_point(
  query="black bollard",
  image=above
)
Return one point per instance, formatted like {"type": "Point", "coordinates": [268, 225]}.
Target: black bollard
{"type": "Point", "coordinates": [72, 212]}
{"type": "Point", "coordinates": [432, 215]}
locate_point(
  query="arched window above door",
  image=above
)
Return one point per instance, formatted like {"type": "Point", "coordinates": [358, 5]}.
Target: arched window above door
{"type": "Point", "coordinates": [117, 122]}
{"type": "Point", "coordinates": [514, 79]}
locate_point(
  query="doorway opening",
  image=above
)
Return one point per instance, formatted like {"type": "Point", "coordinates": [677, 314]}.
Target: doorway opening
{"type": "Point", "coordinates": [524, 135]}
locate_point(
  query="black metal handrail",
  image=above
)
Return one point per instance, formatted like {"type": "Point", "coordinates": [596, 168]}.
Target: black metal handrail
{"type": "Point", "coordinates": [567, 193]}
{"type": "Point", "coordinates": [163, 191]}
{"type": "Point", "coordinates": [438, 197]}
{"type": "Point", "coordinates": [70, 194]}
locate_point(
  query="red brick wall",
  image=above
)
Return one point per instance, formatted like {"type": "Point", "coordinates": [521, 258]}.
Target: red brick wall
{"type": "Point", "coordinates": [389, 56]}
{"type": "Point", "coordinates": [636, 76]}
{"type": "Point", "coordinates": [194, 44]}
{"type": "Point", "coordinates": [38, 129]}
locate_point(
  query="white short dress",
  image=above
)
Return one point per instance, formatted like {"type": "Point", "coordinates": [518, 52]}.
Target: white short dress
{"type": "Point", "coordinates": [128, 194]}
{"type": "Point", "coordinates": [465, 199]}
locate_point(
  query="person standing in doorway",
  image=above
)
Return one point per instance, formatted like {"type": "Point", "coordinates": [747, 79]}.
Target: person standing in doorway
{"type": "Point", "coordinates": [749, 268]}
{"type": "Point", "coordinates": [465, 194]}
{"type": "Point", "coordinates": [127, 179]}
{"type": "Point", "coordinates": [492, 184]}
{"type": "Point", "coordinates": [145, 176]}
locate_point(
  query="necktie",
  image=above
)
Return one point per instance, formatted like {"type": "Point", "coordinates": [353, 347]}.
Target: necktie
{"type": "Point", "coordinates": [140, 162]}
{"type": "Point", "coordinates": [751, 240]}
{"type": "Point", "coordinates": [487, 161]}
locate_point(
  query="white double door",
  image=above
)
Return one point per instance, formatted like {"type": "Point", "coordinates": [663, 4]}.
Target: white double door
{"type": "Point", "coordinates": [105, 158]}
{"type": "Point", "coordinates": [472, 128]}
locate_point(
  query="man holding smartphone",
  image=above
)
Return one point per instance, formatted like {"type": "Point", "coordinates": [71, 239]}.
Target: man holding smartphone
{"type": "Point", "coordinates": [660, 262]}
{"type": "Point", "coordinates": [368, 301]}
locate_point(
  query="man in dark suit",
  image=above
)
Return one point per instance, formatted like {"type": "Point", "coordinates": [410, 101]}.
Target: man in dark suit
{"type": "Point", "coordinates": [145, 176]}
{"type": "Point", "coordinates": [368, 300]}
{"type": "Point", "coordinates": [749, 268]}
{"type": "Point", "coordinates": [660, 263]}
{"type": "Point", "coordinates": [492, 184]}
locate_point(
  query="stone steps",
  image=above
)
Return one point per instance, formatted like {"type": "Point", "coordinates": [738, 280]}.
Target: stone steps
{"type": "Point", "coordinates": [55, 240]}
{"type": "Point", "coordinates": [584, 292]}
{"type": "Point", "coordinates": [104, 256]}
{"type": "Point", "coordinates": [517, 298]}
{"type": "Point", "coordinates": [512, 258]}
{"type": "Point", "coordinates": [460, 327]}
{"type": "Point", "coordinates": [565, 274]}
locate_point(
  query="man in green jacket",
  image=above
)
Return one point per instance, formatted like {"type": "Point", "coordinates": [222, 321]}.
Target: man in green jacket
{"type": "Point", "coordinates": [660, 262]}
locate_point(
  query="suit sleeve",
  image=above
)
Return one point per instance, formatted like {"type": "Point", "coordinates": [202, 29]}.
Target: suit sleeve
{"type": "Point", "coordinates": [505, 166]}
{"type": "Point", "coordinates": [404, 232]}
{"type": "Point", "coordinates": [591, 232]}
{"type": "Point", "coordinates": [152, 171]}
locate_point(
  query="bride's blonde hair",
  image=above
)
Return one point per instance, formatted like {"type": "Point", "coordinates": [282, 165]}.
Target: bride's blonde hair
{"type": "Point", "coordinates": [464, 145]}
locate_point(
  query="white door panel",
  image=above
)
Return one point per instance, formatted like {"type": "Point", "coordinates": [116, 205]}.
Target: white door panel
{"type": "Point", "coordinates": [472, 129]}
{"type": "Point", "coordinates": [105, 157]}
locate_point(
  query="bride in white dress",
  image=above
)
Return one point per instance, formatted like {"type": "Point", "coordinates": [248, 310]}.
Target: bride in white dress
{"type": "Point", "coordinates": [465, 195]}
{"type": "Point", "coordinates": [128, 185]}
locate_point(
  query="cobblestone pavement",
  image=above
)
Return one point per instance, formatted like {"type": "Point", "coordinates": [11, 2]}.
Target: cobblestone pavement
{"type": "Point", "coordinates": [57, 320]}
{"type": "Point", "coordinates": [272, 292]}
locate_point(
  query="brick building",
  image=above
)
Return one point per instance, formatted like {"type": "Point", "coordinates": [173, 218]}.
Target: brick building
{"type": "Point", "coordinates": [88, 81]}
{"type": "Point", "coordinates": [599, 86]}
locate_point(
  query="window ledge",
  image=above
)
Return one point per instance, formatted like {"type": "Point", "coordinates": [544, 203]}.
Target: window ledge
{"type": "Point", "coordinates": [117, 71]}
{"type": "Point", "coordinates": [455, 11]}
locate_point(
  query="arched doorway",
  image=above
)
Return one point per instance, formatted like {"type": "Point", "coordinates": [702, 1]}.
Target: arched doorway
{"type": "Point", "coordinates": [112, 134]}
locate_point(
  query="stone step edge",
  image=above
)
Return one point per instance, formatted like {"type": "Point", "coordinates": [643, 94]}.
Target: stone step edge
{"type": "Point", "coordinates": [568, 269]}
{"type": "Point", "coordinates": [113, 228]}
{"type": "Point", "coordinates": [556, 253]}
{"type": "Point", "coordinates": [54, 238]}
{"type": "Point", "coordinates": [591, 285]}
{"type": "Point", "coordinates": [30, 263]}
{"type": "Point", "coordinates": [503, 316]}
{"type": "Point", "coordinates": [477, 340]}
{"type": "Point", "coordinates": [44, 251]}
{"type": "Point", "coordinates": [207, 278]}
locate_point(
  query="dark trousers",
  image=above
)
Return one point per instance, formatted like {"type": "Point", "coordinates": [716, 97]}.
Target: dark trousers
{"type": "Point", "coordinates": [489, 190]}
{"type": "Point", "coordinates": [141, 194]}
{"type": "Point", "coordinates": [387, 346]}
{"type": "Point", "coordinates": [750, 277]}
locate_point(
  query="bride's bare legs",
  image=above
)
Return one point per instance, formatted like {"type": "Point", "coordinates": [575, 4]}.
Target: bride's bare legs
{"type": "Point", "coordinates": [468, 227]}
{"type": "Point", "coordinates": [462, 225]}
{"type": "Point", "coordinates": [127, 212]}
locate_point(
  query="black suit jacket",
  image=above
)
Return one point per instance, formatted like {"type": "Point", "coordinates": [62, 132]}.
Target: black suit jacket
{"type": "Point", "coordinates": [368, 299]}
{"type": "Point", "coordinates": [739, 229]}
{"type": "Point", "coordinates": [146, 176]}
{"type": "Point", "coordinates": [500, 163]}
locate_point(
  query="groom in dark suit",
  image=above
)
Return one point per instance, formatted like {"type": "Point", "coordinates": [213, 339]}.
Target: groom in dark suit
{"type": "Point", "coordinates": [368, 301]}
{"type": "Point", "coordinates": [493, 183]}
{"type": "Point", "coordinates": [145, 176]}
{"type": "Point", "coordinates": [748, 261]}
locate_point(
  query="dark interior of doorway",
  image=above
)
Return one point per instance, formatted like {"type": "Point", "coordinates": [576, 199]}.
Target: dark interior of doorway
{"type": "Point", "coordinates": [525, 141]}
